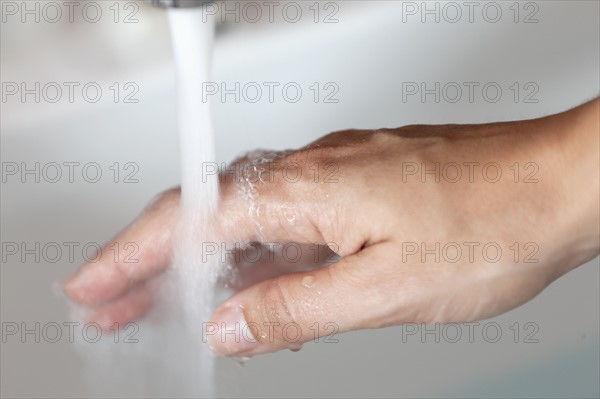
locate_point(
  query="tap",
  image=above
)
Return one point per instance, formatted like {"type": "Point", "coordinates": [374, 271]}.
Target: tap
{"type": "Point", "coordinates": [180, 3]}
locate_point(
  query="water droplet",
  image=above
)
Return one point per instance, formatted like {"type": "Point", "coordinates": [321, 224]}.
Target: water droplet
{"type": "Point", "coordinates": [290, 215]}
{"type": "Point", "coordinates": [259, 210]}
{"type": "Point", "coordinates": [295, 346]}
{"type": "Point", "coordinates": [241, 360]}
{"type": "Point", "coordinates": [308, 281]}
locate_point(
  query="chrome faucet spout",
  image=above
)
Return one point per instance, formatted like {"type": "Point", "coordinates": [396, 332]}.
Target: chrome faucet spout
{"type": "Point", "coordinates": [180, 3]}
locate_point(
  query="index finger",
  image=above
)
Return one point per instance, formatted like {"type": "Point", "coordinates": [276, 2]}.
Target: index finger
{"type": "Point", "coordinates": [139, 252]}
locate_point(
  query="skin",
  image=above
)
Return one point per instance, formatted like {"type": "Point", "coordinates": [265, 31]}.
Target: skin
{"type": "Point", "coordinates": [371, 215]}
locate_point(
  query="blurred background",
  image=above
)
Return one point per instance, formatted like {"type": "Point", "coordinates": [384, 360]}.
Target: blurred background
{"type": "Point", "coordinates": [358, 64]}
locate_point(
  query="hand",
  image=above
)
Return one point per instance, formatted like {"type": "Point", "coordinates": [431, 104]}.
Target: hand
{"type": "Point", "coordinates": [416, 243]}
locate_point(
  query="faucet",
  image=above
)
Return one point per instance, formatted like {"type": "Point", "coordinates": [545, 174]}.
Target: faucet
{"type": "Point", "coordinates": [180, 3]}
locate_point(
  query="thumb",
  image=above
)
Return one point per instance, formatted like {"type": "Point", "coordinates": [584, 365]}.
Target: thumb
{"type": "Point", "coordinates": [289, 310]}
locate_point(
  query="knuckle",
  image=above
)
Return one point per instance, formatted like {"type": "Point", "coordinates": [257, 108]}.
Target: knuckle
{"type": "Point", "coordinates": [277, 309]}
{"type": "Point", "coordinates": [276, 304]}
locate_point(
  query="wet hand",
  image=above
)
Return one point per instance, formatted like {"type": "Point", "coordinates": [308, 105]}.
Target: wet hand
{"type": "Point", "coordinates": [431, 224]}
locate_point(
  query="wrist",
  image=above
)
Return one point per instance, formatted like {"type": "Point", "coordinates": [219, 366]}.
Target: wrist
{"type": "Point", "coordinates": [576, 160]}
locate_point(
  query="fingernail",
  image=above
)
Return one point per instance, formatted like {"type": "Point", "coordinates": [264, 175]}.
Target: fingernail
{"type": "Point", "coordinates": [233, 336]}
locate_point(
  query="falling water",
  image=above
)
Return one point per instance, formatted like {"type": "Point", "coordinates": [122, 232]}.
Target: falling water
{"type": "Point", "coordinates": [169, 358]}
{"type": "Point", "coordinates": [195, 277]}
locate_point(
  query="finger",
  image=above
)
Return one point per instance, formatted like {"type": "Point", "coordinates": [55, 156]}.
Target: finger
{"type": "Point", "coordinates": [139, 252]}
{"type": "Point", "coordinates": [124, 310]}
{"type": "Point", "coordinates": [292, 197]}
{"type": "Point", "coordinates": [292, 309]}
{"type": "Point", "coordinates": [262, 202]}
